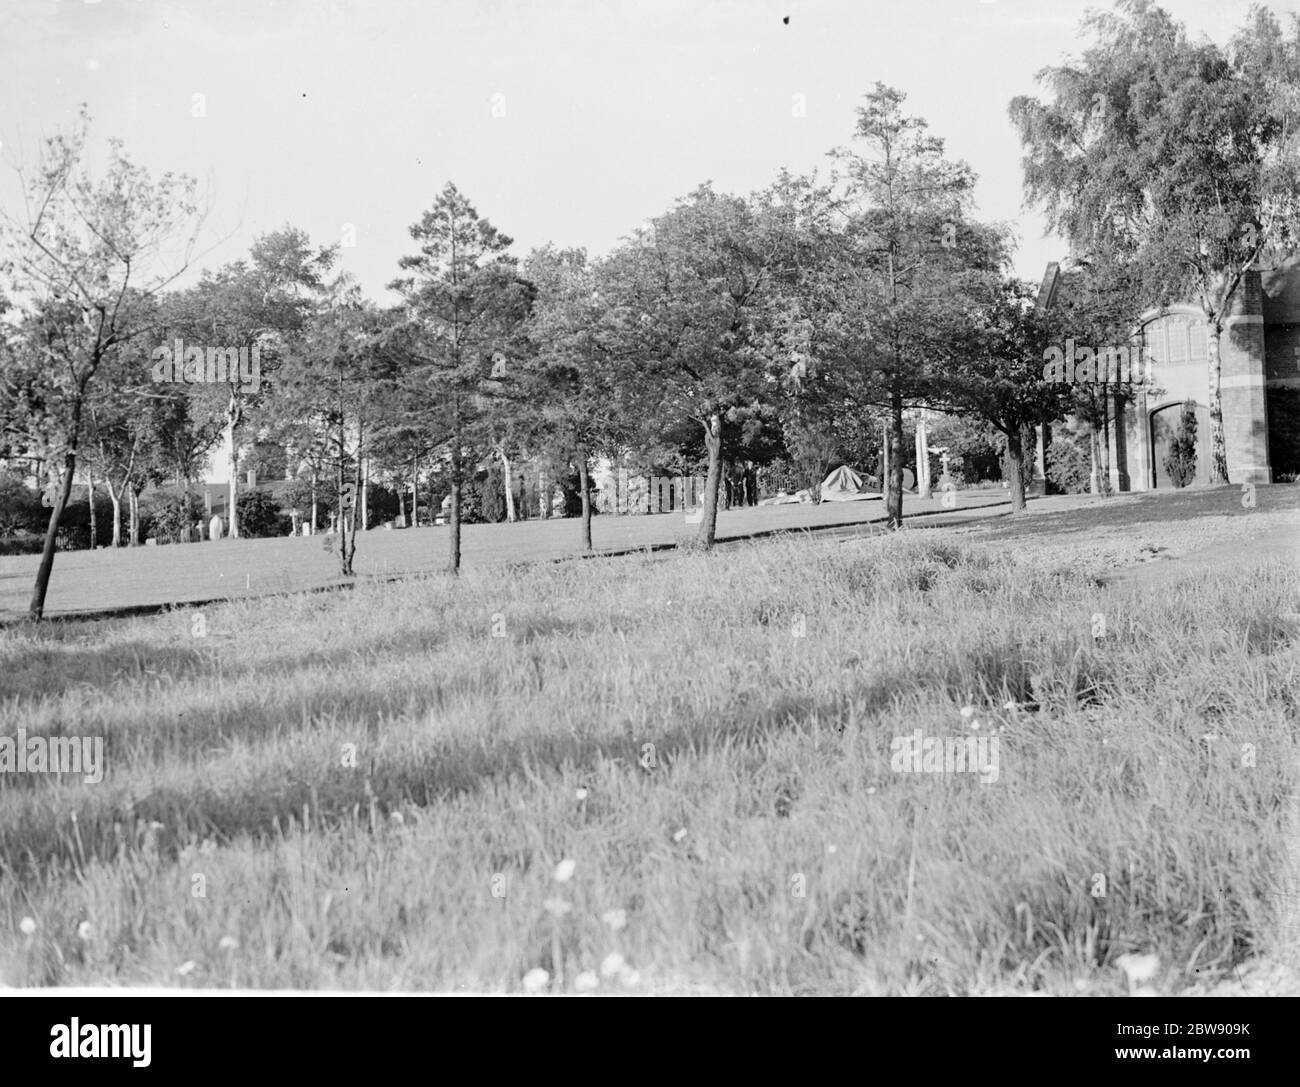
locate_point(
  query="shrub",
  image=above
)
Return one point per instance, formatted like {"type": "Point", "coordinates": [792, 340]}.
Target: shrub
{"type": "Point", "coordinates": [1180, 461]}
{"type": "Point", "coordinates": [20, 506]}
{"type": "Point", "coordinates": [169, 519]}
{"type": "Point", "coordinates": [259, 515]}
{"type": "Point", "coordinates": [492, 495]}
{"type": "Point", "coordinates": [1068, 463]}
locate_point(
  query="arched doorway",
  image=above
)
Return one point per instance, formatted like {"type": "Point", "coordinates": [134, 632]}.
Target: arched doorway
{"type": "Point", "coordinates": [1164, 423]}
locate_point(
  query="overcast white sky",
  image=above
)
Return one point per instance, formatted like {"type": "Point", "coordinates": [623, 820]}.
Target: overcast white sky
{"type": "Point", "coordinates": [330, 112]}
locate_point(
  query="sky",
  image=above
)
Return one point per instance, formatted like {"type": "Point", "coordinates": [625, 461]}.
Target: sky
{"type": "Point", "coordinates": [562, 121]}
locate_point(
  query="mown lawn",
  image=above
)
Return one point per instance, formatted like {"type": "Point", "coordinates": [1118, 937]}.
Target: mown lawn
{"type": "Point", "coordinates": [707, 737]}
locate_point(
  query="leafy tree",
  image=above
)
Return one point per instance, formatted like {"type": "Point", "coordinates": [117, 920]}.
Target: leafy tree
{"type": "Point", "coordinates": [84, 264]}
{"type": "Point", "coordinates": [464, 308]}
{"type": "Point", "coordinates": [693, 324]}
{"type": "Point", "coordinates": [332, 385]}
{"type": "Point", "coordinates": [255, 309]}
{"type": "Point", "coordinates": [570, 393]}
{"type": "Point", "coordinates": [1175, 154]}
{"type": "Point", "coordinates": [892, 284]}
{"type": "Point", "coordinates": [1001, 379]}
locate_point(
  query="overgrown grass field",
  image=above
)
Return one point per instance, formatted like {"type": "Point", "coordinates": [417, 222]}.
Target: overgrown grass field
{"type": "Point", "coordinates": [375, 789]}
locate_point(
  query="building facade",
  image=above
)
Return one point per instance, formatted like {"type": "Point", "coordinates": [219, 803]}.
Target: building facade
{"type": "Point", "coordinates": [1259, 352]}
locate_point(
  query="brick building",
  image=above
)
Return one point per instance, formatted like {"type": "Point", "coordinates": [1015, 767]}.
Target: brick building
{"type": "Point", "coordinates": [1260, 384]}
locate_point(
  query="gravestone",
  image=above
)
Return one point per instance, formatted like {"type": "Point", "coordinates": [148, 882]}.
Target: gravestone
{"type": "Point", "coordinates": [215, 527]}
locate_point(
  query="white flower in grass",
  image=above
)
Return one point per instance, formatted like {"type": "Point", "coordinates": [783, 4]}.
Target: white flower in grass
{"type": "Point", "coordinates": [557, 907]}
{"type": "Point", "coordinates": [612, 964]}
{"type": "Point", "coordinates": [615, 919]}
{"type": "Point", "coordinates": [228, 943]}
{"type": "Point", "coordinates": [1138, 969]}
{"type": "Point", "coordinates": [536, 980]}
{"type": "Point", "coordinates": [85, 932]}
{"type": "Point", "coordinates": [580, 794]}
{"type": "Point", "coordinates": [586, 982]}
{"type": "Point", "coordinates": [564, 870]}
{"type": "Point", "coordinates": [186, 967]}
{"type": "Point", "coordinates": [397, 818]}
{"type": "Point", "coordinates": [967, 712]}
{"type": "Point", "coordinates": [27, 926]}
{"type": "Point", "coordinates": [680, 836]}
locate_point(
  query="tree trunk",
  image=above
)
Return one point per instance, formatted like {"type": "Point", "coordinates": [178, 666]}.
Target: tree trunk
{"type": "Point", "coordinates": [894, 493]}
{"type": "Point", "coordinates": [415, 492]}
{"type": "Point", "coordinates": [454, 511]}
{"type": "Point", "coordinates": [401, 503]}
{"type": "Point", "coordinates": [349, 541]}
{"type": "Point", "coordinates": [586, 500]}
{"type": "Point", "coordinates": [1094, 473]}
{"type": "Point", "coordinates": [231, 515]}
{"type": "Point", "coordinates": [313, 501]}
{"type": "Point", "coordinates": [924, 483]}
{"type": "Point", "coordinates": [115, 497]}
{"type": "Point", "coordinates": [90, 497]}
{"type": "Point", "coordinates": [1218, 446]}
{"type": "Point", "coordinates": [542, 504]}
{"type": "Point", "coordinates": [713, 443]}
{"type": "Point", "coordinates": [1015, 468]}
{"type": "Point", "coordinates": [37, 607]}
{"type": "Point", "coordinates": [884, 463]}
{"type": "Point", "coordinates": [1103, 445]}
{"type": "Point", "coordinates": [508, 480]}
{"type": "Point", "coordinates": [133, 516]}
{"type": "Point", "coordinates": [364, 484]}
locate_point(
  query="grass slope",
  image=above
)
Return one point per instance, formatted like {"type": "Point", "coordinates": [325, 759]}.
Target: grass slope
{"type": "Point", "coordinates": [707, 737]}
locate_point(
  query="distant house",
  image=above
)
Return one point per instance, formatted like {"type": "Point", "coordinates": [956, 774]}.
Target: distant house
{"type": "Point", "coordinates": [1260, 384]}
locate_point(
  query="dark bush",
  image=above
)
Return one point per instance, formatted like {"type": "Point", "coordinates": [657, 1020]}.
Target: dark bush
{"type": "Point", "coordinates": [260, 516]}
{"type": "Point", "coordinates": [1180, 461]}
{"type": "Point", "coordinates": [169, 520]}
{"type": "Point", "coordinates": [20, 506]}
{"type": "Point", "coordinates": [1069, 464]}
{"type": "Point", "coordinates": [492, 495]}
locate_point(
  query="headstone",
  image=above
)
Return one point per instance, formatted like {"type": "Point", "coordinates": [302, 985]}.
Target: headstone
{"type": "Point", "coordinates": [215, 527]}
{"type": "Point", "coordinates": [152, 541]}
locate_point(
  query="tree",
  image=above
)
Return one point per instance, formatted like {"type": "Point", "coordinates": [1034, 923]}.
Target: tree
{"type": "Point", "coordinates": [570, 387]}
{"type": "Point", "coordinates": [85, 262]}
{"type": "Point", "coordinates": [1174, 154]}
{"type": "Point", "coordinates": [692, 323]}
{"type": "Point", "coordinates": [896, 272]}
{"type": "Point", "coordinates": [235, 327]}
{"type": "Point", "coordinates": [1001, 379]}
{"type": "Point", "coordinates": [330, 384]}
{"type": "Point", "coordinates": [464, 308]}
